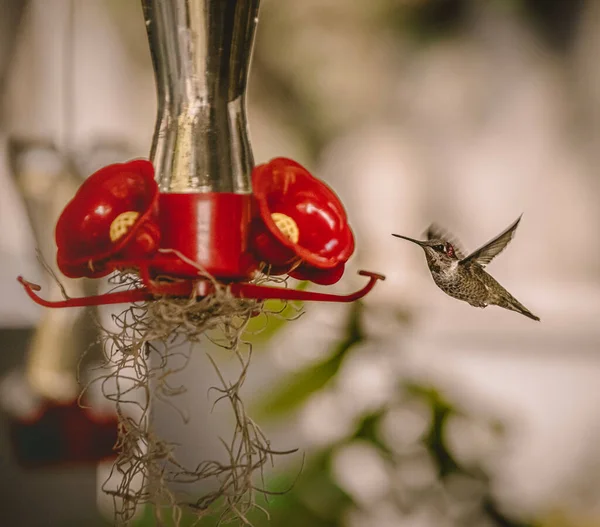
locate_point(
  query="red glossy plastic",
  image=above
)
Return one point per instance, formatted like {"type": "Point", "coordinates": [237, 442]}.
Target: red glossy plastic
{"type": "Point", "coordinates": [319, 276]}
{"type": "Point", "coordinates": [293, 222]}
{"type": "Point", "coordinates": [210, 229]}
{"type": "Point", "coordinates": [319, 222]}
{"type": "Point", "coordinates": [200, 288]}
{"type": "Point", "coordinates": [113, 214]}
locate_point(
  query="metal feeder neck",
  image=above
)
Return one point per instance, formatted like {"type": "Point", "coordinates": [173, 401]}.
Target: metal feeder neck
{"type": "Point", "coordinates": [201, 52]}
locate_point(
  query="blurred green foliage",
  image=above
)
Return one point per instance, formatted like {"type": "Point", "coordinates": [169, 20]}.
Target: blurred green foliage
{"type": "Point", "coordinates": [316, 499]}
{"type": "Point", "coordinates": [292, 392]}
{"type": "Point", "coordinates": [275, 314]}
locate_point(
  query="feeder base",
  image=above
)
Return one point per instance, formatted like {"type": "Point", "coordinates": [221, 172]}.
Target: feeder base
{"type": "Point", "coordinates": [200, 289]}
{"type": "Point", "coordinates": [210, 229]}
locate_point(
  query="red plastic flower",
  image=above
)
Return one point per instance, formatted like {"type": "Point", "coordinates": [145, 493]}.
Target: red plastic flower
{"type": "Point", "coordinates": [303, 228]}
{"type": "Point", "coordinates": [113, 215]}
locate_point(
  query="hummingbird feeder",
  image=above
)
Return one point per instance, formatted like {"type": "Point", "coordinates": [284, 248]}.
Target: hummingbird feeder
{"type": "Point", "coordinates": [119, 220]}
{"type": "Point", "coordinates": [200, 203]}
{"type": "Point", "coordinates": [199, 227]}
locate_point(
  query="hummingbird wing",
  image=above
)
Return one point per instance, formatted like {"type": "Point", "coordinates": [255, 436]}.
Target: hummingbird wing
{"type": "Point", "coordinates": [435, 232]}
{"type": "Point", "coordinates": [485, 254]}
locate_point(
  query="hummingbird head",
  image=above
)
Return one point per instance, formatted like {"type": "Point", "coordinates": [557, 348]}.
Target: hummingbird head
{"type": "Point", "coordinates": [439, 253]}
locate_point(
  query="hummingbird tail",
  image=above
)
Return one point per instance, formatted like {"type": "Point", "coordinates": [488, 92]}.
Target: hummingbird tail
{"type": "Point", "coordinates": [514, 305]}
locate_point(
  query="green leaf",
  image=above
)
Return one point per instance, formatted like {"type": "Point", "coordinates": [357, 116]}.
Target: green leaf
{"type": "Point", "coordinates": [261, 328]}
{"type": "Point", "coordinates": [293, 392]}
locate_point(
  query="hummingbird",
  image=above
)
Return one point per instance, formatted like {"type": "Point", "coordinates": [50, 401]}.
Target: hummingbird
{"type": "Point", "coordinates": [464, 277]}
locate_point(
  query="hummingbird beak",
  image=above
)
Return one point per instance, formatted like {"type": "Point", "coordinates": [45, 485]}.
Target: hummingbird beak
{"type": "Point", "coordinates": [409, 239]}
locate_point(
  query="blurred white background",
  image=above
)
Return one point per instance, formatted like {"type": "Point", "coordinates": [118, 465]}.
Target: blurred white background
{"type": "Point", "coordinates": [468, 129]}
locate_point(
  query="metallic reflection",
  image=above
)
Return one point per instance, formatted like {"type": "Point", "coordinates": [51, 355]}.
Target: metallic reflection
{"type": "Point", "coordinates": [201, 52]}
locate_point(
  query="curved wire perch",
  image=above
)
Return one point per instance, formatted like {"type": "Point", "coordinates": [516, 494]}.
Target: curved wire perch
{"type": "Point", "coordinates": [259, 292]}
{"type": "Point", "coordinates": [183, 289]}
{"type": "Point", "coordinates": [122, 297]}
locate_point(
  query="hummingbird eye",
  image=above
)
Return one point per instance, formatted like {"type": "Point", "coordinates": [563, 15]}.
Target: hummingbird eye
{"type": "Point", "coordinates": [439, 248]}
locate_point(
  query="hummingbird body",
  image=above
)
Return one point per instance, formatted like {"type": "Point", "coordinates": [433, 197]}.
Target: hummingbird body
{"type": "Point", "coordinates": [464, 277]}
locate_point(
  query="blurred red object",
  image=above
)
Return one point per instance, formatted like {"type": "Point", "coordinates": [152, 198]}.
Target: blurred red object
{"type": "Point", "coordinates": [302, 227]}
{"type": "Point", "coordinates": [113, 215]}
{"type": "Point", "coordinates": [63, 434]}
